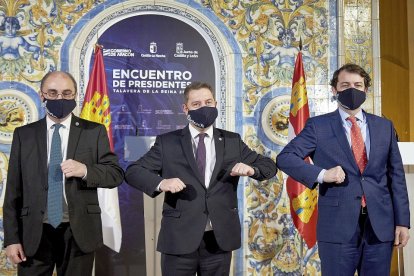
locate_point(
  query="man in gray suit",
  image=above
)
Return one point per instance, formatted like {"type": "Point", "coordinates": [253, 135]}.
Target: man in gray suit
{"type": "Point", "coordinates": [51, 209]}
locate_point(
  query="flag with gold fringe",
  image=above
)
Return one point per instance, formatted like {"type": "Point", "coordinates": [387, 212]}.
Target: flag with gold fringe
{"type": "Point", "coordinates": [96, 108]}
{"type": "Point", "coordinates": [303, 201]}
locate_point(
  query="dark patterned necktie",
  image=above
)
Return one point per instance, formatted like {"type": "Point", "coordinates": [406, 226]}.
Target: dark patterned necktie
{"type": "Point", "coordinates": [201, 154]}
{"type": "Point", "coordinates": [55, 180]}
{"type": "Point", "coordinates": [358, 149]}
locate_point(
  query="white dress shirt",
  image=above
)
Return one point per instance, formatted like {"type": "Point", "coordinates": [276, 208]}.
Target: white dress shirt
{"type": "Point", "coordinates": [210, 151]}
{"type": "Point", "coordinates": [210, 157]}
{"type": "Point", "coordinates": [362, 123]}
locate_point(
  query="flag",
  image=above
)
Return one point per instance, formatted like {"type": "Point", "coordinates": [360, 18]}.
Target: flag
{"type": "Point", "coordinates": [96, 108]}
{"type": "Point", "coordinates": [303, 201]}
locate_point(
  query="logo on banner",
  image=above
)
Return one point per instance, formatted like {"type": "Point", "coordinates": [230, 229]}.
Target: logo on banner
{"type": "Point", "coordinates": [161, 125]}
{"type": "Point", "coordinates": [118, 53]}
{"type": "Point", "coordinates": [179, 47]}
{"type": "Point", "coordinates": [181, 53]}
{"type": "Point", "coordinates": [153, 47]}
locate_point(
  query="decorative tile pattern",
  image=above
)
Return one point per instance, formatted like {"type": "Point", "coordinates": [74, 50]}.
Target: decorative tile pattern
{"type": "Point", "coordinates": [6, 267]}
{"type": "Point", "coordinates": [358, 43]}
{"type": "Point", "coordinates": [33, 32]}
{"type": "Point", "coordinates": [269, 35]}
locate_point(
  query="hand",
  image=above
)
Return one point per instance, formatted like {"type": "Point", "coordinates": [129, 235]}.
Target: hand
{"type": "Point", "coordinates": [72, 168]}
{"type": "Point", "coordinates": [401, 236]}
{"type": "Point", "coordinates": [334, 175]}
{"type": "Point", "coordinates": [241, 169]}
{"type": "Point", "coordinates": [173, 185]}
{"type": "Point", "coordinates": [15, 253]}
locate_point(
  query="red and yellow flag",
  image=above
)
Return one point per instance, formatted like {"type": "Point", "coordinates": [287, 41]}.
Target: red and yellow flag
{"type": "Point", "coordinates": [96, 102]}
{"type": "Point", "coordinates": [96, 108]}
{"type": "Point", "coordinates": [303, 201]}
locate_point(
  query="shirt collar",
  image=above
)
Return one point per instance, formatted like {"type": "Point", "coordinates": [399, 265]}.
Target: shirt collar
{"type": "Point", "coordinates": [194, 132]}
{"type": "Point", "coordinates": [360, 116]}
{"type": "Point", "coordinates": [65, 123]}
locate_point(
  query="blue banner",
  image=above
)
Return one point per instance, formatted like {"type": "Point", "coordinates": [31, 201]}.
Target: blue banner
{"type": "Point", "coordinates": [149, 60]}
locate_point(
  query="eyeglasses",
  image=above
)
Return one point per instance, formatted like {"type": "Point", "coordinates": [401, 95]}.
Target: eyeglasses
{"type": "Point", "coordinates": [53, 94]}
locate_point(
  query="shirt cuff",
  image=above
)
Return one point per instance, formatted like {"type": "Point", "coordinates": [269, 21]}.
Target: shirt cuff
{"type": "Point", "coordinates": [158, 187]}
{"type": "Point", "coordinates": [86, 174]}
{"type": "Point", "coordinates": [320, 176]}
{"type": "Point", "coordinates": [256, 172]}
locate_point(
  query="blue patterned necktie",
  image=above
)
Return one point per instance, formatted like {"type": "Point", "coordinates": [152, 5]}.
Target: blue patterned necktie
{"type": "Point", "coordinates": [55, 180]}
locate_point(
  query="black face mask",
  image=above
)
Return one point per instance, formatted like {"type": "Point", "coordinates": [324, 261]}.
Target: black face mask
{"type": "Point", "coordinates": [59, 108]}
{"type": "Point", "coordinates": [202, 117]}
{"type": "Point", "coordinates": [351, 98]}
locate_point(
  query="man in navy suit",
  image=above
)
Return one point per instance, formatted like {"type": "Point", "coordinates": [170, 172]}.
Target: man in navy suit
{"type": "Point", "coordinates": [198, 168]}
{"type": "Point", "coordinates": [363, 202]}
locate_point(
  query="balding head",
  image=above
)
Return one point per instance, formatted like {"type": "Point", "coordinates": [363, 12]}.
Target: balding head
{"type": "Point", "coordinates": [58, 73]}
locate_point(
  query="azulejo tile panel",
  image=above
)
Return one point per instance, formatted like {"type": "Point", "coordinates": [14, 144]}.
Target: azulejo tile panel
{"type": "Point", "coordinates": [358, 42]}
{"type": "Point", "coordinates": [269, 34]}
{"type": "Point", "coordinates": [32, 33]}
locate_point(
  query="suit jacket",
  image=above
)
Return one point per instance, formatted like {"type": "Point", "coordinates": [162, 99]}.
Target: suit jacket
{"type": "Point", "coordinates": [382, 181]}
{"type": "Point", "coordinates": [27, 184]}
{"type": "Point", "coordinates": [184, 215]}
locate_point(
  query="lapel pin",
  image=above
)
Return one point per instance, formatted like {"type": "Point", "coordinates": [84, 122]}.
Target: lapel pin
{"type": "Point", "coordinates": [77, 124]}
{"type": "Point", "coordinates": [220, 138]}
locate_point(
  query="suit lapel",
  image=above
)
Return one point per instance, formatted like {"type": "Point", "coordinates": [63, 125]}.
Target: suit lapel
{"type": "Point", "coordinates": [339, 131]}
{"type": "Point", "coordinates": [74, 134]}
{"type": "Point", "coordinates": [219, 144]}
{"type": "Point", "coordinates": [41, 140]}
{"type": "Point", "coordinates": [372, 132]}
{"type": "Point", "coordinates": [187, 146]}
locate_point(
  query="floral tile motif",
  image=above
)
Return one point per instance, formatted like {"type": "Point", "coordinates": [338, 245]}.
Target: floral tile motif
{"type": "Point", "coordinates": [358, 43]}
{"type": "Point", "coordinates": [32, 33]}
{"type": "Point", "coordinates": [269, 34]}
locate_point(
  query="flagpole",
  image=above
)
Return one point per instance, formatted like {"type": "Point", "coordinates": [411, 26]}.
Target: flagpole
{"type": "Point", "coordinates": [302, 199]}
{"type": "Point", "coordinates": [301, 238]}
{"type": "Point", "coordinates": [96, 108]}
{"type": "Point", "coordinates": [301, 256]}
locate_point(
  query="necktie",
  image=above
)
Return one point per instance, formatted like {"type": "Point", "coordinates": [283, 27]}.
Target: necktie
{"type": "Point", "coordinates": [358, 149]}
{"type": "Point", "coordinates": [55, 180]}
{"type": "Point", "coordinates": [201, 154]}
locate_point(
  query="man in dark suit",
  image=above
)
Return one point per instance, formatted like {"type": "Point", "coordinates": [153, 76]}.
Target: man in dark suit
{"type": "Point", "coordinates": [51, 210]}
{"type": "Point", "coordinates": [198, 169]}
{"type": "Point", "coordinates": [363, 202]}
